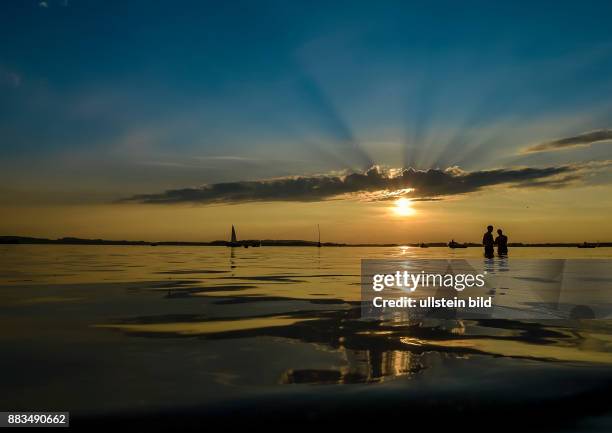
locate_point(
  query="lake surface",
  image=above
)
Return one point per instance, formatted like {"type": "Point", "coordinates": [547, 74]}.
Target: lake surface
{"type": "Point", "coordinates": [107, 330]}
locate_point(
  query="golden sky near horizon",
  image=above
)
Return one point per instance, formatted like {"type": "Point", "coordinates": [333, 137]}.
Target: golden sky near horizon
{"type": "Point", "coordinates": [561, 215]}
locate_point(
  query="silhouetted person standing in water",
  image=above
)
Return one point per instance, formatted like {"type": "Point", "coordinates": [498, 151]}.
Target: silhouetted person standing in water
{"type": "Point", "coordinates": [488, 242]}
{"type": "Point", "coordinates": [502, 243]}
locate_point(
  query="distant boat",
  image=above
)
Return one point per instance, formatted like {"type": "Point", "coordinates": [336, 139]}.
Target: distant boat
{"type": "Point", "coordinates": [234, 240]}
{"type": "Point", "coordinates": [587, 245]}
{"type": "Point", "coordinates": [423, 245]}
{"type": "Point", "coordinates": [452, 244]}
{"type": "Point", "coordinates": [319, 230]}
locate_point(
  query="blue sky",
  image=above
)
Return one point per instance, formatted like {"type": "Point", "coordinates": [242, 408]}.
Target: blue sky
{"type": "Point", "coordinates": [166, 94]}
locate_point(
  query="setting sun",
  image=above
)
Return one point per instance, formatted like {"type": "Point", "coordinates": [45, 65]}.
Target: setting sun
{"type": "Point", "coordinates": [403, 207]}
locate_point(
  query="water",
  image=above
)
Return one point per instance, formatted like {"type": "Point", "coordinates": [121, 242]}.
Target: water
{"type": "Point", "coordinates": [121, 329]}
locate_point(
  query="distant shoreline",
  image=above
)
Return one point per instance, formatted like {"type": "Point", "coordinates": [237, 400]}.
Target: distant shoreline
{"type": "Point", "coordinates": [12, 240]}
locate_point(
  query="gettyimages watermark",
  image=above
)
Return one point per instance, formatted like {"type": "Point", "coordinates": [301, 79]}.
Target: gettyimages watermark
{"type": "Point", "coordinates": [491, 288]}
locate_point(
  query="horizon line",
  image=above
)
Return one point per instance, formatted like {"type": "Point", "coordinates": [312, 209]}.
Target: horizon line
{"type": "Point", "coordinates": [71, 240]}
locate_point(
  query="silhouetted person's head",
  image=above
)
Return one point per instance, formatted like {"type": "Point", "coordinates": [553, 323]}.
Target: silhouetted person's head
{"type": "Point", "coordinates": [489, 229]}
{"type": "Point", "coordinates": [499, 232]}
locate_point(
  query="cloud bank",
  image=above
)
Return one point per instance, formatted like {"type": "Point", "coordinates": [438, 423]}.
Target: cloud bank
{"type": "Point", "coordinates": [580, 140]}
{"type": "Point", "coordinates": [376, 183]}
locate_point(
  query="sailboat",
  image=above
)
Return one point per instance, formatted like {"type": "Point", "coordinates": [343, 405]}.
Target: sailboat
{"type": "Point", "coordinates": [234, 241]}
{"type": "Point", "coordinates": [319, 230]}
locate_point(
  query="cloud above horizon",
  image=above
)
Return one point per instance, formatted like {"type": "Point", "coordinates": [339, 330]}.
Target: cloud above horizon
{"type": "Point", "coordinates": [374, 184]}
{"type": "Point", "coordinates": [580, 140]}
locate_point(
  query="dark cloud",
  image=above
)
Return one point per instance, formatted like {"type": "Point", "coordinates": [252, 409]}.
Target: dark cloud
{"type": "Point", "coordinates": [580, 140]}
{"type": "Point", "coordinates": [374, 183]}
{"type": "Point", "coordinates": [555, 183]}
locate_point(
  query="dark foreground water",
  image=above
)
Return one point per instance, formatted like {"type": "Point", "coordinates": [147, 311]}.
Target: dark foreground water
{"type": "Point", "coordinates": [183, 335]}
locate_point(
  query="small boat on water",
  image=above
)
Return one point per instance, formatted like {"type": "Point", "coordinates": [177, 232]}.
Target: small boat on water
{"type": "Point", "coordinates": [234, 242]}
{"type": "Point", "coordinates": [587, 245]}
{"type": "Point", "coordinates": [423, 245]}
{"type": "Point", "coordinates": [452, 244]}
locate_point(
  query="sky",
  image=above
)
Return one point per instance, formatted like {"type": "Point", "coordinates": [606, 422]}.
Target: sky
{"type": "Point", "coordinates": [380, 121]}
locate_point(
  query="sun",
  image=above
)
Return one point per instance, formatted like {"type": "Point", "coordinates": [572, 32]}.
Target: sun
{"type": "Point", "coordinates": [403, 207]}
